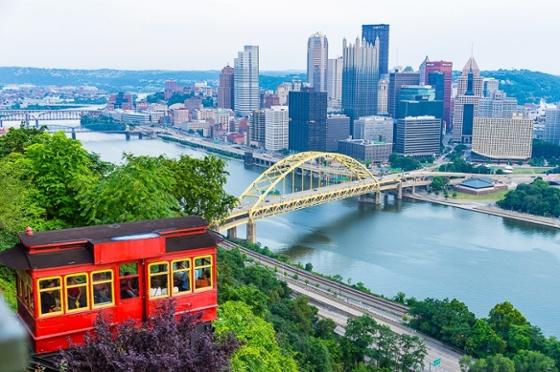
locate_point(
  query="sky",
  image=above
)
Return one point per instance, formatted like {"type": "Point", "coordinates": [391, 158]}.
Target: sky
{"type": "Point", "coordinates": [206, 34]}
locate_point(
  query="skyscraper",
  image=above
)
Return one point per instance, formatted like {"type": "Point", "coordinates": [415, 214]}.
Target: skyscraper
{"type": "Point", "coordinates": [360, 76]}
{"type": "Point", "coordinates": [276, 128]}
{"type": "Point", "coordinates": [383, 97]}
{"type": "Point", "coordinates": [334, 83]}
{"type": "Point", "coordinates": [552, 125]}
{"type": "Point", "coordinates": [418, 136]}
{"type": "Point", "coordinates": [308, 119]}
{"type": "Point", "coordinates": [381, 31]}
{"type": "Point", "coordinates": [443, 92]}
{"type": "Point", "coordinates": [225, 89]}
{"type": "Point", "coordinates": [246, 81]}
{"type": "Point", "coordinates": [257, 128]}
{"type": "Point", "coordinates": [469, 92]}
{"type": "Point", "coordinates": [396, 80]}
{"type": "Point", "coordinates": [317, 60]}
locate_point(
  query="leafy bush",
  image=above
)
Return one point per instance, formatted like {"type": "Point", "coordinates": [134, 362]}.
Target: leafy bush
{"type": "Point", "coordinates": [161, 344]}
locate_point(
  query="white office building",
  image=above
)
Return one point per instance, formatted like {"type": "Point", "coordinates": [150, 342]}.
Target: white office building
{"type": "Point", "coordinates": [276, 128]}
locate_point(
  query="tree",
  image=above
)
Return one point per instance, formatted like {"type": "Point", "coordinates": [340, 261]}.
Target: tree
{"type": "Point", "coordinates": [61, 169]}
{"type": "Point", "coordinates": [494, 363]}
{"type": "Point", "coordinates": [449, 321]}
{"type": "Point", "coordinates": [260, 350]}
{"type": "Point", "coordinates": [484, 341]}
{"type": "Point", "coordinates": [140, 189]}
{"type": "Point", "coordinates": [503, 316]}
{"type": "Point", "coordinates": [439, 183]}
{"type": "Point", "coordinates": [161, 344]}
{"type": "Point", "coordinates": [16, 140]}
{"type": "Point", "coordinates": [528, 361]}
{"type": "Point", "coordinates": [199, 187]}
{"type": "Point", "coordinates": [308, 266]}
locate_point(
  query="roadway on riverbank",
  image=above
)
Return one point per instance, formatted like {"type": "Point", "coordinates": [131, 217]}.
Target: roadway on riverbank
{"type": "Point", "coordinates": [340, 302]}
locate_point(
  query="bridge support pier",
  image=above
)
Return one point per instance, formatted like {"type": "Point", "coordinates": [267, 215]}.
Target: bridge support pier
{"type": "Point", "coordinates": [127, 135]}
{"type": "Point", "coordinates": [413, 189]}
{"type": "Point", "coordinates": [378, 198]}
{"type": "Point", "coordinates": [37, 123]}
{"type": "Point", "coordinates": [251, 232]}
{"type": "Point", "coordinates": [1, 124]}
{"type": "Point", "coordinates": [232, 233]}
{"type": "Point", "coordinates": [73, 133]}
{"type": "Point", "coordinates": [140, 136]}
{"type": "Point", "coordinates": [399, 191]}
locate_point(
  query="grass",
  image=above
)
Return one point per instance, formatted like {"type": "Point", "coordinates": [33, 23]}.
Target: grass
{"type": "Point", "coordinates": [493, 196]}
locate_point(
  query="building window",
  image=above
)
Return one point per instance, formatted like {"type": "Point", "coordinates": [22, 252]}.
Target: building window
{"type": "Point", "coordinates": [159, 272]}
{"type": "Point", "coordinates": [50, 296]}
{"type": "Point", "coordinates": [102, 288]}
{"type": "Point", "coordinates": [25, 290]}
{"type": "Point", "coordinates": [76, 292]}
{"type": "Point", "coordinates": [203, 272]}
{"type": "Point", "coordinates": [128, 273]}
{"type": "Point", "coordinates": [181, 276]}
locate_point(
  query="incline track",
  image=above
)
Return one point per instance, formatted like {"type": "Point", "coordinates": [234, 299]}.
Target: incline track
{"type": "Point", "coordinates": [352, 294]}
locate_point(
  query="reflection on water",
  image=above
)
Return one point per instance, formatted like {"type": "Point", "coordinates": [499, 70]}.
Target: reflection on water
{"type": "Point", "coordinates": [422, 249]}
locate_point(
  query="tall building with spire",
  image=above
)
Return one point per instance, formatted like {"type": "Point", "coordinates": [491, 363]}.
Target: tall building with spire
{"type": "Point", "coordinates": [246, 95]}
{"type": "Point", "coordinates": [317, 61]}
{"type": "Point", "coordinates": [360, 77]}
{"type": "Point", "coordinates": [225, 89]}
{"type": "Point", "coordinates": [469, 93]}
{"type": "Point", "coordinates": [381, 32]}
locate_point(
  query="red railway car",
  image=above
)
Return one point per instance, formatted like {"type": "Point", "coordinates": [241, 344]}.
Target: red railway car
{"type": "Point", "coordinates": [66, 278]}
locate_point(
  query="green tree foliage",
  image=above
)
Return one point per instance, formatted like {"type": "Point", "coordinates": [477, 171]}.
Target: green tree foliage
{"type": "Point", "coordinates": [527, 86]}
{"type": "Point", "coordinates": [449, 321]}
{"type": "Point", "coordinates": [484, 341]}
{"type": "Point", "coordinates": [17, 139]}
{"type": "Point", "coordinates": [439, 183]}
{"type": "Point", "coordinates": [529, 361]}
{"type": "Point", "coordinates": [545, 152]}
{"type": "Point", "coordinates": [260, 350]}
{"type": "Point", "coordinates": [298, 329]}
{"type": "Point", "coordinates": [406, 163]}
{"type": "Point", "coordinates": [61, 171]}
{"type": "Point", "coordinates": [459, 165]}
{"type": "Point", "coordinates": [535, 198]}
{"type": "Point", "coordinates": [383, 348]}
{"type": "Point", "coordinates": [199, 185]}
{"type": "Point", "coordinates": [494, 363]}
{"type": "Point", "coordinates": [140, 189]}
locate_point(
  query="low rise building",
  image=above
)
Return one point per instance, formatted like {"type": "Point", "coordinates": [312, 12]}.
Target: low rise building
{"type": "Point", "coordinates": [366, 151]}
{"type": "Point", "coordinates": [502, 139]}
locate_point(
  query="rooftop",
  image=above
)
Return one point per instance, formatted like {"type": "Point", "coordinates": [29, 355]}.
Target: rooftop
{"type": "Point", "coordinates": [477, 183]}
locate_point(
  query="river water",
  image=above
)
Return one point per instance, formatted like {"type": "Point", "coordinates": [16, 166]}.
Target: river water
{"type": "Point", "coordinates": [421, 249]}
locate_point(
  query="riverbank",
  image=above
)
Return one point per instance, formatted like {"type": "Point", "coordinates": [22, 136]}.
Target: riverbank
{"type": "Point", "coordinates": [487, 209]}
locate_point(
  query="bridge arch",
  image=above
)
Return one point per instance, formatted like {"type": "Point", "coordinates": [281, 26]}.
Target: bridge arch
{"type": "Point", "coordinates": [266, 183]}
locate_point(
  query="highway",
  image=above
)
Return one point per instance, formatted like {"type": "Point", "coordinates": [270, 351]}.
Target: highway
{"type": "Point", "coordinates": [339, 302]}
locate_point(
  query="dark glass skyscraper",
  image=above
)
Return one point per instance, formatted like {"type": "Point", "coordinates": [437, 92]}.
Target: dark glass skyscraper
{"type": "Point", "coordinates": [307, 129]}
{"type": "Point", "coordinates": [370, 33]}
{"type": "Point", "coordinates": [360, 76]}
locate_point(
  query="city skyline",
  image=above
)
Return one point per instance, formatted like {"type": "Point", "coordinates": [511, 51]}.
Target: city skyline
{"type": "Point", "coordinates": [141, 35]}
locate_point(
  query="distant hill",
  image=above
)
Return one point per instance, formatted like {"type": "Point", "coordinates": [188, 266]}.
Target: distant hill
{"type": "Point", "coordinates": [113, 80]}
{"type": "Point", "coordinates": [525, 85]}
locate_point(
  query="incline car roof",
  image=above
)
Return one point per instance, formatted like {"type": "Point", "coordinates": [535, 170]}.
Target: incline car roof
{"type": "Point", "coordinates": [100, 233]}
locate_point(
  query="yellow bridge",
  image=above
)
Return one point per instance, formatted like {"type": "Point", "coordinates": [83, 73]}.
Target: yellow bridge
{"type": "Point", "coordinates": [307, 179]}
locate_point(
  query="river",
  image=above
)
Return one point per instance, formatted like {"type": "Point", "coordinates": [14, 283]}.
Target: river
{"type": "Point", "coordinates": [421, 249]}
